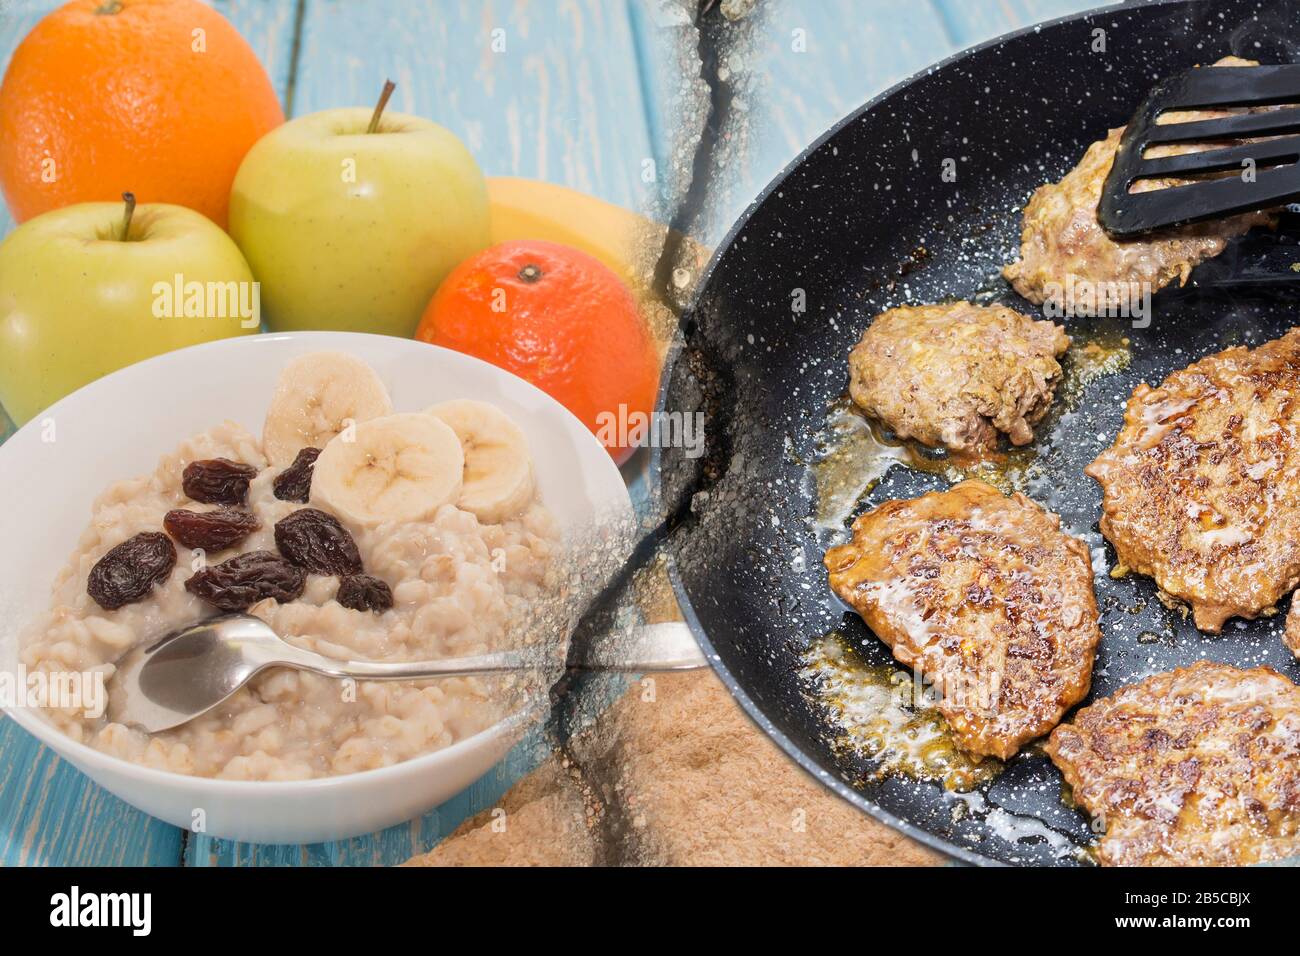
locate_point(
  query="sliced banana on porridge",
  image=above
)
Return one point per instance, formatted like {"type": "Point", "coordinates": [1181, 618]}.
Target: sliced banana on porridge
{"type": "Point", "coordinates": [317, 396]}
{"type": "Point", "coordinates": [498, 480]}
{"type": "Point", "coordinates": [400, 467]}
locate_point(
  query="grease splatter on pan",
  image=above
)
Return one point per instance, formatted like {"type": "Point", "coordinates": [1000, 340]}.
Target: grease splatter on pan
{"type": "Point", "coordinates": [883, 714]}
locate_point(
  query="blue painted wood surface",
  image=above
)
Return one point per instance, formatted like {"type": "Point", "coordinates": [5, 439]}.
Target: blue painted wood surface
{"type": "Point", "coordinates": [582, 94]}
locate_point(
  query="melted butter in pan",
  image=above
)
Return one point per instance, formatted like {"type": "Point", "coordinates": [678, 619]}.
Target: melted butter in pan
{"type": "Point", "coordinates": [852, 455]}
{"type": "Point", "coordinates": [880, 716]}
{"type": "Point", "coordinates": [1106, 352]}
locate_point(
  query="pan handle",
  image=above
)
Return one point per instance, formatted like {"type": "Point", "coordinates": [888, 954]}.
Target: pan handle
{"type": "Point", "coordinates": [669, 646]}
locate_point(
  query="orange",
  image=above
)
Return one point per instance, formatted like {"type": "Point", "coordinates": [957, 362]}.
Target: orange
{"type": "Point", "coordinates": [161, 98]}
{"type": "Point", "coordinates": [561, 319]}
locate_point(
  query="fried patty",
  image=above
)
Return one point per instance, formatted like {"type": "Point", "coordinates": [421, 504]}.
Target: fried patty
{"type": "Point", "coordinates": [955, 375]}
{"type": "Point", "coordinates": [1196, 767]}
{"type": "Point", "coordinates": [1292, 633]}
{"type": "Point", "coordinates": [987, 598]}
{"type": "Point", "coordinates": [1068, 259]}
{"type": "Point", "coordinates": [1201, 489]}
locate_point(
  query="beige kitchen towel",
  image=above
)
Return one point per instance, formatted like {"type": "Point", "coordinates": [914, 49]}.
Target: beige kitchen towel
{"type": "Point", "coordinates": [674, 774]}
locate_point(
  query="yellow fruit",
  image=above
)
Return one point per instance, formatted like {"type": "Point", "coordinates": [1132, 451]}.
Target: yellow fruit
{"type": "Point", "coordinates": [628, 243]}
{"type": "Point", "coordinates": [532, 209]}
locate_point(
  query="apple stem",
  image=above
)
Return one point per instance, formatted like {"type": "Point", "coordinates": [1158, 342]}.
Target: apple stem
{"type": "Point", "coordinates": [389, 86]}
{"type": "Point", "coordinates": [129, 199]}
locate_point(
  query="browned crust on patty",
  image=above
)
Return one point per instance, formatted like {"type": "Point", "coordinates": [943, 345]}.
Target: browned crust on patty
{"type": "Point", "coordinates": [1195, 767]}
{"type": "Point", "coordinates": [1201, 489]}
{"type": "Point", "coordinates": [987, 598]}
{"type": "Point", "coordinates": [1291, 636]}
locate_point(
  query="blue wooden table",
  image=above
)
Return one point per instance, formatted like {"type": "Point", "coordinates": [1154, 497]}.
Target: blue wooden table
{"type": "Point", "coordinates": [585, 93]}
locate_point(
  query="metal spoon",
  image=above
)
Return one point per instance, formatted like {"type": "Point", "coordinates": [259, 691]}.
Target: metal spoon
{"type": "Point", "coordinates": [187, 672]}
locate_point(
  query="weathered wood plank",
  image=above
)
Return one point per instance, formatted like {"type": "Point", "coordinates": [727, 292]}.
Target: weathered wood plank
{"type": "Point", "coordinates": [971, 23]}
{"type": "Point", "coordinates": [52, 815]}
{"type": "Point", "coordinates": [546, 90]}
{"type": "Point", "coordinates": [816, 61]}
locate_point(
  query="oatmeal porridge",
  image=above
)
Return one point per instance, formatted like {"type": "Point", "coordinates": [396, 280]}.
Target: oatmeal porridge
{"type": "Point", "coordinates": [452, 548]}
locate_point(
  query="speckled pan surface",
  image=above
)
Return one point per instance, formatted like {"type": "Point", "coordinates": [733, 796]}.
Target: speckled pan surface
{"type": "Point", "coordinates": [865, 221]}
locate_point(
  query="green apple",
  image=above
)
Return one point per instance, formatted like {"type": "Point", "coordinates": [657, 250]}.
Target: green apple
{"type": "Point", "coordinates": [351, 229]}
{"type": "Point", "coordinates": [90, 288]}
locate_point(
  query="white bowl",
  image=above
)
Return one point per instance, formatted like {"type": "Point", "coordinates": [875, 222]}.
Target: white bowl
{"type": "Point", "coordinates": [121, 425]}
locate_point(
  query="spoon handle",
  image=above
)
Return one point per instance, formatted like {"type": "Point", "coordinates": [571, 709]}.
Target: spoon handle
{"type": "Point", "coordinates": [651, 647]}
{"type": "Point", "coordinates": [498, 663]}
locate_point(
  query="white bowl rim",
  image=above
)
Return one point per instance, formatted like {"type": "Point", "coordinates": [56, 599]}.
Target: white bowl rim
{"type": "Point", "coordinates": [81, 754]}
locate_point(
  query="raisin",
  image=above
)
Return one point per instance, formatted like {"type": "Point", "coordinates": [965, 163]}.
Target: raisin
{"type": "Point", "coordinates": [210, 530]}
{"type": "Point", "coordinates": [294, 483]}
{"type": "Point", "coordinates": [129, 571]}
{"type": "Point", "coordinates": [316, 541]}
{"type": "Point", "coordinates": [362, 592]}
{"type": "Point", "coordinates": [218, 481]}
{"type": "Point", "coordinates": [242, 581]}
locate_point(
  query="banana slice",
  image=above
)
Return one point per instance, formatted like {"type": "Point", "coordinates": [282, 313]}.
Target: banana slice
{"type": "Point", "coordinates": [396, 468]}
{"type": "Point", "coordinates": [498, 467]}
{"type": "Point", "coordinates": [318, 394]}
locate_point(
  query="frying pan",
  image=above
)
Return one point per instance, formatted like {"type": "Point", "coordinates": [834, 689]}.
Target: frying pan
{"type": "Point", "coordinates": [862, 221]}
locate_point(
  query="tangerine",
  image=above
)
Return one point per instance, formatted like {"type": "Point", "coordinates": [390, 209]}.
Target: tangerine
{"type": "Point", "coordinates": [561, 319]}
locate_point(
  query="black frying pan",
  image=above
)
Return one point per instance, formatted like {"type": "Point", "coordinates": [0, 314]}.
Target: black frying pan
{"type": "Point", "coordinates": [863, 221]}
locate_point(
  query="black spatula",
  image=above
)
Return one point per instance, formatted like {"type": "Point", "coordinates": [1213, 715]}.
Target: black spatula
{"type": "Point", "coordinates": [1272, 164]}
